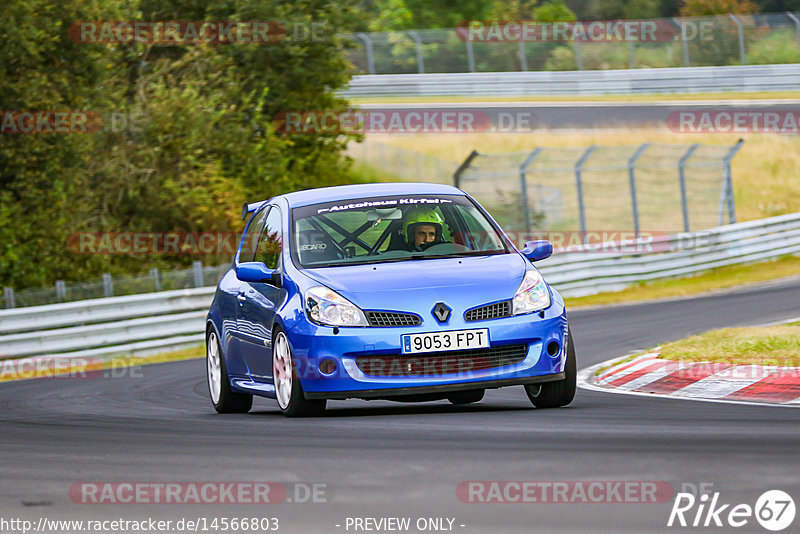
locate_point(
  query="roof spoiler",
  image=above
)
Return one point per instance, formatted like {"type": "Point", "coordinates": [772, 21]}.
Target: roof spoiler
{"type": "Point", "coordinates": [250, 208]}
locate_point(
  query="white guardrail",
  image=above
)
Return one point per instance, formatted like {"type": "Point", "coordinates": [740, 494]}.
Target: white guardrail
{"type": "Point", "coordinates": [170, 320]}
{"type": "Point", "coordinates": [740, 78]}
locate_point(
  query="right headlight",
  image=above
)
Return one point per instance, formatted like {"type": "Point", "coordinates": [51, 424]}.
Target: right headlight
{"type": "Point", "coordinates": [532, 294]}
{"type": "Point", "coordinates": [327, 307]}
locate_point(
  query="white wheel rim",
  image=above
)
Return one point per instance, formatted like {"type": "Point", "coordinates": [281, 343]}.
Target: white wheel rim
{"type": "Point", "coordinates": [282, 370]}
{"type": "Point", "coordinates": [214, 367]}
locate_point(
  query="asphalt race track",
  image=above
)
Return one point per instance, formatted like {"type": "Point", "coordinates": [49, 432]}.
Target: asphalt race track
{"type": "Point", "coordinates": [406, 460]}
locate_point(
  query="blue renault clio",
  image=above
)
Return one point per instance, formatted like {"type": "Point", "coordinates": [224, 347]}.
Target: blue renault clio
{"type": "Point", "coordinates": [407, 292]}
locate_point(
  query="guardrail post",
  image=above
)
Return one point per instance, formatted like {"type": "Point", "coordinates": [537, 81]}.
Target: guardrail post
{"type": "Point", "coordinates": [741, 37]}
{"type": "Point", "coordinates": [523, 183]}
{"type": "Point", "coordinates": [156, 278]}
{"type": "Point", "coordinates": [197, 269]}
{"type": "Point", "coordinates": [418, 45]}
{"type": "Point", "coordinates": [470, 55]}
{"type": "Point", "coordinates": [61, 291]}
{"type": "Point", "coordinates": [108, 285]}
{"type": "Point", "coordinates": [682, 179]}
{"type": "Point", "coordinates": [579, 187]}
{"type": "Point", "coordinates": [632, 182]}
{"type": "Point", "coordinates": [684, 42]}
{"type": "Point", "coordinates": [368, 48]}
{"type": "Point", "coordinates": [728, 185]}
{"type": "Point", "coordinates": [8, 296]}
{"type": "Point", "coordinates": [463, 167]}
{"type": "Point", "coordinates": [796, 27]}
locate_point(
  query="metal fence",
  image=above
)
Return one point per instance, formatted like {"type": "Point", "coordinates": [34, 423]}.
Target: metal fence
{"type": "Point", "coordinates": [759, 39]}
{"type": "Point", "coordinates": [108, 286]}
{"type": "Point", "coordinates": [662, 187]}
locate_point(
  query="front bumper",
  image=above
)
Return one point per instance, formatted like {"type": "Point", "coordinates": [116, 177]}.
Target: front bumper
{"type": "Point", "coordinates": [312, 344]}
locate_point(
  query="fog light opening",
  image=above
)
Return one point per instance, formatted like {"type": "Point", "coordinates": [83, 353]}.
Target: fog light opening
{"type": "Point", "coordinates": [327, 366]}
{"type": "Point", "coordinates": [553, 348]}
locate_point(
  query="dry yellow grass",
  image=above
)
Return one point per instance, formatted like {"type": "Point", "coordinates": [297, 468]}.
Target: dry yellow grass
{"type": "Point", "coordinates": [774, 345]}
{"type": "Point", "coordinates": [765, 176]}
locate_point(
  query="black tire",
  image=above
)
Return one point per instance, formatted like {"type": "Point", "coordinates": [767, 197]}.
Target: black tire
{"type": "Point", "coordinates": [466, 397]}
{"type": "Point", "coordinates": [560, 393]}
{"type": "Point", "coordinates": [228, 401]}
{"type": "Point", "coordinates": [294, 404]}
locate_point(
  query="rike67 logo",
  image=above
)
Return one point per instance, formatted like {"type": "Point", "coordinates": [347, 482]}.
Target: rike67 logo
{"type": "Point", "coordinates": [774, 510]}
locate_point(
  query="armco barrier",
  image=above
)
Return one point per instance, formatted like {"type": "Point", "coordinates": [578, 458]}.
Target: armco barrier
{"type": "Point", "coordinates": [170, 320]}
{"type": "Point", "coordinates": [745, 79]}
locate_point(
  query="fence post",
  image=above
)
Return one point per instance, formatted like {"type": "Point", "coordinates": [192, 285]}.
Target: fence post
{"type": "Point", "coordinates": [470, 55]}
{"type": "Point", "coordinates": [579, 187]}
{"type": "Point", "coordinates": [523, 59]}
{"type": "Point", "coordinates": [463, 167]}
{"type": "Point", "coordinates": [61, 291]}
{"type": "Point", "coordinates": [523, 182]}
{"type": "Point", "coordinates": [8, 295]}
{"type": "Point", "coordinates": [741, 37]}
{"type": "Point", "coordinates": [682, 179]}
{"type": "Point", "coordinates": [156, 278]}
{"type": "Point", "coordinates": [197, 269]}
{"type": "Point", "coordinates": [684, 42]}
{"type": "Point", "coordinates": [108, 285]}
{"type": "Point", "coordinates": [578, 58]}
{"type": "Point", "coordinates": [729, 181]}
{"type": "Point", "coordinates": [632, 181]}
{"type": "Point", "coordinates": [418, 45]}
{"type": "Point", "coordinates": [796, 27]}
{"type": "Point", "coordinates": [631, 55]}
{"type": "Point", "coordinates": [368, 47]}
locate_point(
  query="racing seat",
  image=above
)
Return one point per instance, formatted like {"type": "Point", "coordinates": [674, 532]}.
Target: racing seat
{"type": "Point", "coordinates": [314, 246]}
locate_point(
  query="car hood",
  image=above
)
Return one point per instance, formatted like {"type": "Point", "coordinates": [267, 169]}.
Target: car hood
{"type": "Point", "coordinates": [416, 285]}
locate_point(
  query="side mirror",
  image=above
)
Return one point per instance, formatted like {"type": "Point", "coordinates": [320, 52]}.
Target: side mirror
{"type": "Point", "coordinates": [537, 250]}
{"type": "Point", "coordinates": [256, 271]}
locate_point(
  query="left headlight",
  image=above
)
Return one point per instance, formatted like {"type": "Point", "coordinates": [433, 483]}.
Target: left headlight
{"type": "Point", "coordinates": [532, 294]}
{"type": "Point", "coordinates": [327, 307]}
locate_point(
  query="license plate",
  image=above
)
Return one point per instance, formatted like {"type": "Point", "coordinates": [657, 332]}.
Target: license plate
{"type": "Point", "coordinates": [442, 341]}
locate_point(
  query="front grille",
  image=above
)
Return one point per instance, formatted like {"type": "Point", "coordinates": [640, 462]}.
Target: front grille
{"type": "Point", "coordinates": [376, 318]}
{"type": "Point", "coordinates": [442, 363]}
{"type": "Point", "coordinates": [490, 311]}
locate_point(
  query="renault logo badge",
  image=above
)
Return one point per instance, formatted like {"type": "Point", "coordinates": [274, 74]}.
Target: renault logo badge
{"type": "Point", "coordinates": [441, 312]}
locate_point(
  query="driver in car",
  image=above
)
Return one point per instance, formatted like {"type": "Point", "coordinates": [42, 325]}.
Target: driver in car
{"type": "Point", "coordinates": [422, 227]}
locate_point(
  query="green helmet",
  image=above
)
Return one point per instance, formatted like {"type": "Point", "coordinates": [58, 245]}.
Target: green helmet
{"type": "Point", "coordinates": [422, 214]}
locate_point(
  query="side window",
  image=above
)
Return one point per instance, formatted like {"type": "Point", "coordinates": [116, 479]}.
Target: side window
{"type": "Point", "coordinates": [248, 252]}
{"type": "Point", "coordinates": [269, 244]}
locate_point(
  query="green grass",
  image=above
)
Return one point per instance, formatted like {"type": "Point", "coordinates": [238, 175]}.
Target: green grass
{"type": "Point", "coordinates": [716, 279]}
{"type": "Point", "coordinates": [774, 345]}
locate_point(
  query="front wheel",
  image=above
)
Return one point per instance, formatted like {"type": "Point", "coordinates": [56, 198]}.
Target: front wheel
{"type": "Point", "coordinates": [288, 390]}
{"type": "Point", "coordinates": [561, 392]}
{"type": "Point", "coordinates": [219, 387]}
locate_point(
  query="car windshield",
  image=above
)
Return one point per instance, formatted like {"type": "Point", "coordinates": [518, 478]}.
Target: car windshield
{"type": "Point", "coordinates": [392, 228]}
